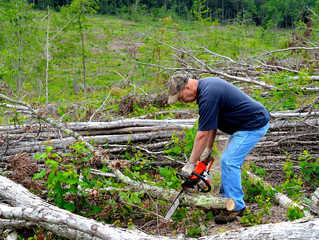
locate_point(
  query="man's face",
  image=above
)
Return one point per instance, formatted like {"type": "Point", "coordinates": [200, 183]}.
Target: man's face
{"type": "Point", "coordinates": [186, 95]}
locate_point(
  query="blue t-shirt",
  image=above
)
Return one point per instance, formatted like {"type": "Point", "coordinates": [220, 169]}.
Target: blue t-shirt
{"type": "Point", "coordinates": [223, 106]}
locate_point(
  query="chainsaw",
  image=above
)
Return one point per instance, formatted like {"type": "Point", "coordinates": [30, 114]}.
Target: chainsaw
{"type": "Point", "coordinates": [200, 178]}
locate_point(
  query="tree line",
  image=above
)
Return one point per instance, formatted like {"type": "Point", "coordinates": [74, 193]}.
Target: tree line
{"type": "Point", "coordinates": [280, 13]}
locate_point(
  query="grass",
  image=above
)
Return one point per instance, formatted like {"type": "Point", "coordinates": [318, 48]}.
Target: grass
{"type": "Point", "coordinates": [118, 55]}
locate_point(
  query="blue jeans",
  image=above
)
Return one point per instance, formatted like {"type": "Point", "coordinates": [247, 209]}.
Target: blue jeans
{"type": "Point", "coordinates": [237, 147]}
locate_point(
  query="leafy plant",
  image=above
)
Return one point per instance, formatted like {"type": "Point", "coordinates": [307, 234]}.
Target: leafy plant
{"type": "Point", "coordinates": [67, 180]}
{"type": "Point", "coordinates": [250, 218]}
{"type": "Point", "coordinates": [194, 231]}
{"type": "Point", "coordinates": [254, 187]}
{"type": "Point", "coordinates": [309, 168]}
{"type": "Point", "coordinates": [170, 179]}
{"type": "Point", "coordinates": [183, 145]}
{"type": "Point", "coordinates": [294, 212]}
{"type": "Point", "coordinates": [293, 183]}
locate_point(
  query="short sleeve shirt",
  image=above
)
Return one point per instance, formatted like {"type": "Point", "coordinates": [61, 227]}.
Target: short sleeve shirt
{"type": "Point", "coordinates": [225, 107]}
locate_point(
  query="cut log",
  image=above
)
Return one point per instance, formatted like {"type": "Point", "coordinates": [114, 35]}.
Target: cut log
{"type": "Point", "coordinates": [201, 201]}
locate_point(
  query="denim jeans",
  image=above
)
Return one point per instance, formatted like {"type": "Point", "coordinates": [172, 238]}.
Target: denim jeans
{"type": "Point", "coordinates": [237, 147]}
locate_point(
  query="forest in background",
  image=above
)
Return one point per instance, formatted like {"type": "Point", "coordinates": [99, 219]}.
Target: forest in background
{"type": "Point", "coordinates": [258, 12]}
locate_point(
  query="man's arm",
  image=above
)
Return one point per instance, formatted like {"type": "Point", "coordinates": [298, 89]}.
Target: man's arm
{"type": "Point", "coordinates": [211, 138]}
{"type": "Point", "coordinates": [200, 143]}
{"type": "Point", "coordinates": [208, 149]}
{"type": "Point", "coordinates": [203, 140]}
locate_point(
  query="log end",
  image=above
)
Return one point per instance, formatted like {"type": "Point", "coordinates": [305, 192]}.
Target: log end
{"type": "Point", "coordinates": [230, 204]}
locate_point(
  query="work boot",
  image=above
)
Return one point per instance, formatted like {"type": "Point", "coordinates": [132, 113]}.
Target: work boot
{"type": "Point", "coordinates": [227, 217]}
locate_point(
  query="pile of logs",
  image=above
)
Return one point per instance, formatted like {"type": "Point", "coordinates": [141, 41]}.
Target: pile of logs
{"type": "Point", "coordinates": [289, 132]}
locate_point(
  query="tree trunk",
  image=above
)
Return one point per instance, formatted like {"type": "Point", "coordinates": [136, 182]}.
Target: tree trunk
{"type": "Point", "coordinates": [83, 56]}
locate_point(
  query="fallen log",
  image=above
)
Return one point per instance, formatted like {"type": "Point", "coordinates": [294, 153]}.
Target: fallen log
{"type": "Point", "coordinates": [201, 201]}
{"type": "Point", "coordinates": [29, 210]}
{"type": "Point", "coordinates": [306, 228]}
{"type": "Point", "coordinates": [39, 146]}
{"type": "Point", "coordinates": [136, 123]}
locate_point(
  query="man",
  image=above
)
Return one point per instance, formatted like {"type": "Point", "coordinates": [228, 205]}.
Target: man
{"type": "Point", "coordinates": [222, 106]}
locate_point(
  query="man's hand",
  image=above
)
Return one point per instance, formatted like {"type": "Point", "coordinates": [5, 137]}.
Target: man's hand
{"type": "Point", "coordinates": [188, 169]}
{"type": "Point", "coordinates": [206, 153]}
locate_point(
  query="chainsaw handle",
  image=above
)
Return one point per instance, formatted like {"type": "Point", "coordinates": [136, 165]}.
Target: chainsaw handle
{"type": "Point", "coordinates": [181, 176]}
{"type": "Point", "coordinates": [204, 180]}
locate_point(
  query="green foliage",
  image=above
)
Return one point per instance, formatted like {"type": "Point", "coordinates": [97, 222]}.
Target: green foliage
{"type": "Point", "coordinates": [293, 183]}
{"type": "Point", "coordinates": [200, 10]}
{"type": "Point", "coordinates": [170, 179]}
{"type": "Point", "coordinates": [294, 212]}
{"type": "Point", "coordinates": [183, 145]}
{"type": "Point", "coordinates": [257, 170]}
{"type": "Point", "coordinates": [250, 218]}
{"type": "Point", "coordinates": [180, 214]}
{"type": "Point", "coordinates": [63, 178]}
{"type": "Point", "coordinates": [282, 13]}
{"type": "Point", "coordinates": [132, 198]}
{"type": "Point", "coordinates": [112, 43]}
{"type": "Point", "coordinates": [255, 191]}
{"type": "Point", "coordinates": [291, 94]}
{"type": "Point", "coordinates": [309, 168]}
{"type": "Point", "coordinates": [194, 232]}
{"type": "Point", "coordinates": [17, 118]}
{"type": "Point", "coordinates": [167, 33]}
{"type": "Point", "coordinates": [255, 187]}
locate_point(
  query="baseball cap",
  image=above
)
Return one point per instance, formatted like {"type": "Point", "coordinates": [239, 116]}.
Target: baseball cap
{"type": "Point", "coordinates": [175, 84]}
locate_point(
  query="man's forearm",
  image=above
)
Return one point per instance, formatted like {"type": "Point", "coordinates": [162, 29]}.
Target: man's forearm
{"type": "Point", "coordinates": [199, 145]}
{"type": "Point", "coordinates": [211, 138]}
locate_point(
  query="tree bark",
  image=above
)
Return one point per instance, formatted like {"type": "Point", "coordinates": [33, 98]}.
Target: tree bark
{"type": "Point", "coordinates": [299, 229]}
{"type": "Point", "coordinates": [30, 211]}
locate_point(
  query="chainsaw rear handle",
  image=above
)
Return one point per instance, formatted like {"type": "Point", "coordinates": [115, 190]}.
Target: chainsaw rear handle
{"type": "Point", "coordinates": [205, 181]}
{"type": "Point", "coordinates": [192, 182]}
{"type": "Point", "coordinates": [181, 176]}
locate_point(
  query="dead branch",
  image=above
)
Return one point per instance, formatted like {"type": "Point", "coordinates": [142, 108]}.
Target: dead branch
{"type": "Point", "coordinates": [289, 49]}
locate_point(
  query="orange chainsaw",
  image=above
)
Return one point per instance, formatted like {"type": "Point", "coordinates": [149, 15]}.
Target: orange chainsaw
{"type": "Point", "coordinates": [200, 178]}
